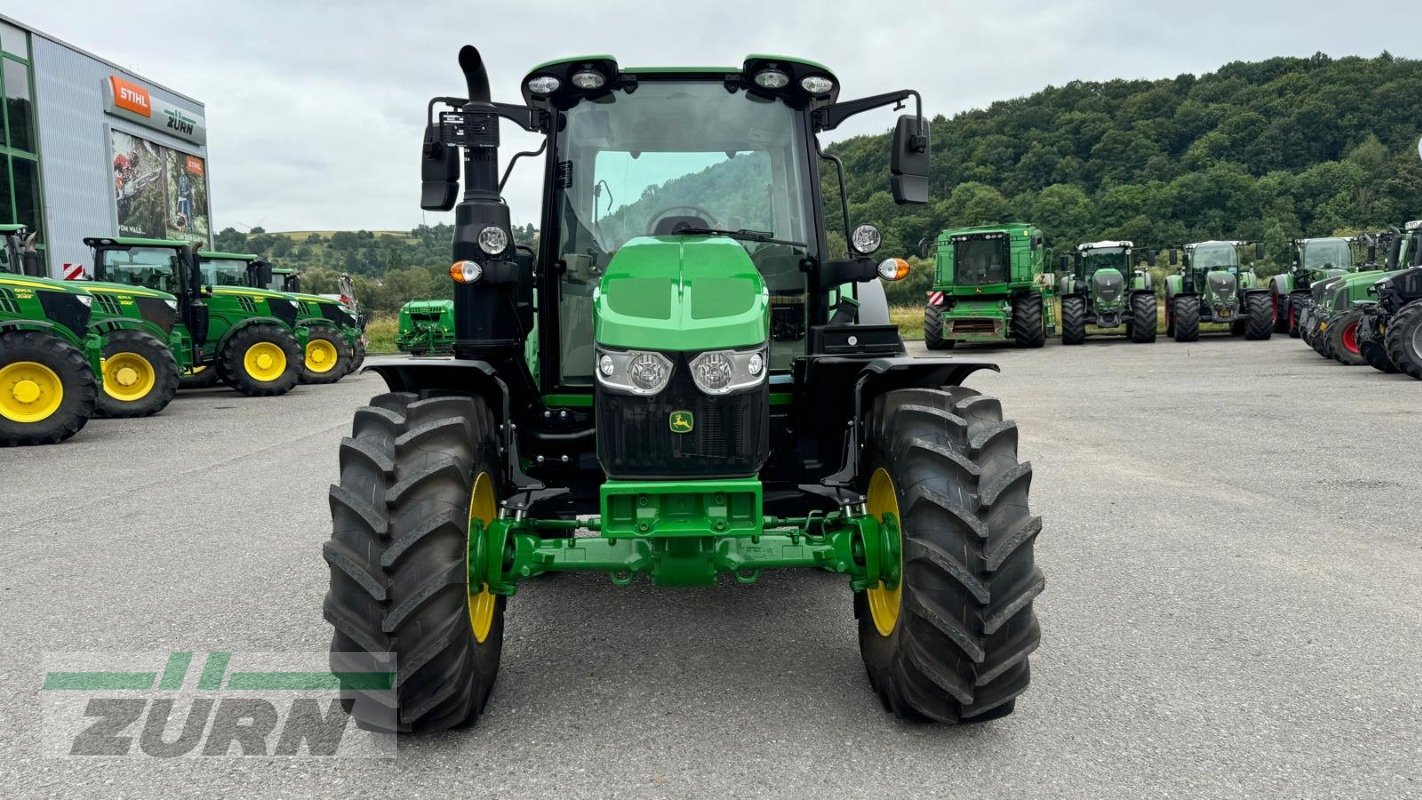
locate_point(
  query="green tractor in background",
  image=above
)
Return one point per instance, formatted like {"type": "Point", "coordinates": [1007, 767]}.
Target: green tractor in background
{"type": "Point", "coordinates": [245, 337]}
{"type": "Point", "coordinates": [426, 327]}
{"type": "Point", "coordinates": [1312, 260]}
{"type": "Point", "coordinates": [1391, 330]}
{"type": "Point", "coordinates": [1344, 324]}
{"type": "Point", "coordinates": [49, 358]}
{"type": "Point", "coordinates": [326, 331]}
{"type": "Point", "coordinates": [285, 279]}
{"type": "Point", "coordinates": [1100, 288]}
{"type": "Point", "coordinates": [704, 390]}
{"type": "Point", "coordinates": [989, 285]}
{"type": "Point", "coordinates": [1212, 286]}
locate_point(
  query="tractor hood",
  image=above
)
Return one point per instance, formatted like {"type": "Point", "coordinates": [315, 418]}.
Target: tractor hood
{"type": "Point", "coordinates": [263, 294]}
{"type": "Point", "coordinates": [1108, 285]}
{"type": "Point", "coordinates": [1220, 287]}
{"type": "Point", "coordinates": [681, 293]}
{"type": "Point", "coordinates": [106, 287]}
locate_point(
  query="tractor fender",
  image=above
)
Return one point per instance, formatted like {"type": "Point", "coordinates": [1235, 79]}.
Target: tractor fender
{"type": "Point", "coordinates": [108, 326]}
{"type": "Point", "coordinates": [873, 303]}
{"type": "Point", "coordinates": [1283, 283]}
{"type": "Point", "coordinates": [1254, 290]}
{"type": "Point", "coordinates": [37, 325]}
{"type": "Point", "coordinates": [1173, 285]}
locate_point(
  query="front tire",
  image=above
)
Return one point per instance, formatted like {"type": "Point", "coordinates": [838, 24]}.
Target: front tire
{"type": "Point", "coordinates": [1343, 343]}
{"type": "Point", "coordinates": [1260, 324]}
{"type": "Point", "coordinates": [1143, 318]}
{"type": "Point", "coordinates": [413, 475]}
{"type": "Point", "coordinates": [1187, 318]}
{"type": "Point", "coordinates": [140, 375]}
{"type": "Point", "coordinates": [1028, 322]}
{"type": "Point", "coordinates": [951, 642]}
{"type": "Point", "coordinates": [1404, 339]}
{"type": "Point", "coordinates": [326, 359]}
{"type": "Point", "coordinates": [1073, 319]}
{"type": "Point", "coordinates": [261, 361]}
{"type": "Point", "coordinates": [1280, 309]}
{"type": "Point", "coordinates": [933, 329]}
{"type": "Point", "coordinates": [47, 389]}
{"type": "Point", "coordinates": [358, 357]}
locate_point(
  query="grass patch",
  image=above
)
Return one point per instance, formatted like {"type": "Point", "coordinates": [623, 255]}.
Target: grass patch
{"type": "Point", "coordinates": [380, 336]}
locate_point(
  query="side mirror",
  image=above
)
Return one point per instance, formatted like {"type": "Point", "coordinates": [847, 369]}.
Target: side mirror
{"type": "Point", "coordinates": [1258, 251]}
{"type": "Point", "coordinates": [1372, 253]}
{"type": "Point", "coordinates": [1174, 256]}
{"type": "Point", "coordinates": [439, 172]}
{"type": "Point", "coordinates": [261, 274]}
{"type": "Point", "coordinates": [925, 247]}
{"type": "Point", "coordinates": [910, 161]}
{"type": "Point", "coordinates": [1148, 257]}
{"type": "Point", "coordinates": [1063, 263]}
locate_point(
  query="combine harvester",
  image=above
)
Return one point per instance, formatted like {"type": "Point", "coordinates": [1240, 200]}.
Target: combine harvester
{"type": "Point", "coordinates": [989, 285]}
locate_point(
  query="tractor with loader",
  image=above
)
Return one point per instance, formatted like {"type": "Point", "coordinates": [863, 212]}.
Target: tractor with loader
{"type": "Point", "coordinates": [989, 285]}
{"type": "Point", "coordinates": [1101, 287]}
{"type": "Point", "coordinates": [1213, 286]}
{"type": "Point", "coordinates": [49, 358]}
{"type": "Point", "coordinates": [704, 392]}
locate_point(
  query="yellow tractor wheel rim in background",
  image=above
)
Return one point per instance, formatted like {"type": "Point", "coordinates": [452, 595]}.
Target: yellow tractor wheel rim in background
{"type": "Point", "coordinates": [483, 506]}
{"type": "Point", "coordinates": [884, 602]}
{"type": "Point", "coordinates": [128, 377]}
{"type": "Point", "coordinates": [29, 392]}
{"type": "Point", "coordinates": [264, 361]}
{"type": "Point", "coordinates": [321, 356]}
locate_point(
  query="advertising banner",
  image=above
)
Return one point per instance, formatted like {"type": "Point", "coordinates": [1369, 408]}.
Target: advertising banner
{"type": "Point", "coordinates": [158, 192]}
{"type": "Point", "coordinates": [134, 103]}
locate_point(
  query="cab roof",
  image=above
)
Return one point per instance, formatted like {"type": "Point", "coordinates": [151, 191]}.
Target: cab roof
{"type": "Point", "coordinates": [1104, 245]}
{"type": "Point", "coordinates": [564, 69]}
{"type": "Point", "coordinates": [232, 256]}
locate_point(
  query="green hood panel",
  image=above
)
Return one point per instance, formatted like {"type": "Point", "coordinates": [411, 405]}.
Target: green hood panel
{"type": "Point", "coordinates": [104, 287]}
{"type": "Point", "coordinates": [681, 293]}
{"type": "Point", "coordinates": [13, 281]}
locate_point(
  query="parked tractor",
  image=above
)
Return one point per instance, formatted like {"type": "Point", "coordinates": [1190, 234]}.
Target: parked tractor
{"type": "Point", "coordinates": [49, 359]}
{"type": "Point", "coordinates": [243, 336]}
{"type": "Point", "coordinates": [1212, 286]}
{"type": "Point", "coordinates": [989, 286]}
{"type": "Point", "coordinates": [1313, 260]}
{"type": "Point", "coordinates": [702, 390]}
{"type": "Point", "coordinates": [1390, 332]}
{"type": "Point", "coordinates": [285, 279]}
{"type": "Point", "coordinates": [426, 327]}
{"type": "Point", "coordinates": [1101, 288]}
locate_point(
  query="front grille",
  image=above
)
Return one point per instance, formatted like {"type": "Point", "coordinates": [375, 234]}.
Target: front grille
{"type": "Point", "coordinates": [730, 435]}
{"type": "Point", "coordinates": [282, 310]}
{"type": "Point", "coordinates": [107, 304]}
{"type": "Point", "coordinates": [974, 326]}
{"type": "Point", "coordinates": [66, 309]}
{"type": "Point", "coordinates": [1108, 286]}
{"type": "Point", "coordinates": [157, 311]}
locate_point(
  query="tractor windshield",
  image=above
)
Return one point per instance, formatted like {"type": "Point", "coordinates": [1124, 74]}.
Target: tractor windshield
{"type": "Point", "coordinates": [982, 260]}
{"type": "Point", "coordinates": [1327, 254]}
{"type": "Point", "coordinates": [223, 272]}
{"type": "Point", "coordinates": [149, 267]}
{"type": "Point", "coordinates": [1114, 258]}
{"type": "Point", "coordinates": [1215, 256]}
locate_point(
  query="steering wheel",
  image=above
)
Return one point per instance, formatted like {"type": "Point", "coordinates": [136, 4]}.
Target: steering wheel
{"type": "Point", "coordinates": [710, 218]}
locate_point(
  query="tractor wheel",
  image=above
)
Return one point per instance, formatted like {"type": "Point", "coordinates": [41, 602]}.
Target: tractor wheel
{"type": "Point", "coordinates": [1170, 316]}
{"type": "Point", "coordinates": [1236, 329]}
{"type": "Point", "coordinates": [413, 475]}
{"type": "Point", "coordinates": [933, 329]}
{"type": "Point", "coordinates": [1404, 339]}
{"type": "Point", "coordinates": [202, 378]}
{"type": "Point", "coordinates": [1143, 318]}
{"type": "Point", "coordinates": [327, 358]}
{"type": "Point", "coordinates": [1294, 331]}
{"type": "Point", "coordinates": [1343, 342]}
{"type": "Point", "coordinates": [260, 361]}
{"type": "Point", "coordinates": [1375, 354]}
{"type": "Point", "coordinates": [140, 375]}
{"type": "Point", "coordinates": [1279, 306]}
{"type": "Point", "coordinates": [1029, 327]}
{"type": "Point", "coordinates": [1260, 323]}
{"type": "Point", "coordinates": [358, 357]}
{"type": "Point", "coordinates": [950, 642]}
{"type": "Point", "coordinates": [47, 389]}
{"type": "Point", "coordinates": [1073, 319]}
{"type": "Point", "coordinates": [1187, 318]}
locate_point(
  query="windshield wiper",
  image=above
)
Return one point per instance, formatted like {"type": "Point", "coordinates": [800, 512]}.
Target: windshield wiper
{"type": "Point", "coordinates": [744, 235]}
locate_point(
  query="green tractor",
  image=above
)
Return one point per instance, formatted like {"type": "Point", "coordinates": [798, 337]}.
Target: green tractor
{"type": "Point", "coordinates": [325, 330]}
{"type": "Point", "coordinates": [1348, 324]}
{"type": "Point", "coordinates": [703, 391]}
{"type": "Point", "coordinates": [1391, 331]}
{"type": "Point", "coordinates": [49, 358]}
{"type": "Point", "coordinates": [1312, 260]}
{"type": "Point", "coordinates": [1212, 286]}
{"type": "Point", "coordinates": [352, 323]}
{"type": "Point", "coordinates": [989, 285]}
{"type": "Point", "coordinates": [245, 337]}
{"type": "Point", "coordinates": [425, 327]}
{"type": "Point", "coordinates": [1101, 289]}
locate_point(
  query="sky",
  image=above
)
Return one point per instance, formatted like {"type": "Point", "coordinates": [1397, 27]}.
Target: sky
{"type": "Point", "coordinates": [315, 110]}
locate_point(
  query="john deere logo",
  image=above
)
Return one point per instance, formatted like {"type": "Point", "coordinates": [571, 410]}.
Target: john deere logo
{"type": "Point", "coordinates": [681, 422]}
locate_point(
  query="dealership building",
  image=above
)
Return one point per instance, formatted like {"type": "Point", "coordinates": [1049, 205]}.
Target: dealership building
{"type": "Point", "coordinates": [89, 148]}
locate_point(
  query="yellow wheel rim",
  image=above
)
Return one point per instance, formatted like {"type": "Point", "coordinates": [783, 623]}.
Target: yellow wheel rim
{"type": "Point", "coordinates": [29, 392]}
{"type": "Point", "coordinates": [128, 377]}
{"type": "Point", "coordinates": [321, 356]}
{"type": "Point", "coordinates": [264, 361]}
{"type": "Point", "coordinates": [884, 602]}
{"type": "Point", "coordinates": [483, 507]}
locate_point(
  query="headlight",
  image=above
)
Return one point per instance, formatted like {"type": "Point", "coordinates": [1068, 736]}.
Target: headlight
{"type": "Point", "coordinates": [295, 303]}
{"type": "Point", "coordinates": [465, 271]}
{"type": "Point", "coordinates": [725, 371]}
{"type": "Point", "coordinates": [771, 79]}
{"type": "Point", "coordinates": [588, 80]}
{"type": "Point", "coordinates": [543, 85]}
{"type": "Point", "coordinates": [493, 240]}
{"type": "Point", "coordinates": [640, 372]}
{"type": "Point", "coordinates": [86, 299]}
{"type": "Point", "coordinates": [173, 304]}
{"type": "Point", "coordinates": [816, 84]}
{"type": "Point", "coordinates": [865, 239]}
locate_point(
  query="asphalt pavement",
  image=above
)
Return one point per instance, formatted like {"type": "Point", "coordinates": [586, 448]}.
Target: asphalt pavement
{"type": "Point", "coordinates": [1233, 606]}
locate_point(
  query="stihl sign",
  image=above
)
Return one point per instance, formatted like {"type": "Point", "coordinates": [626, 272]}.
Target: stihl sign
{"type": "Point", "coordinates": [136, 103]}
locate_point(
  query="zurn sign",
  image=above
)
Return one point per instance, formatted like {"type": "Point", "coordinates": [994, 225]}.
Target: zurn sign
{"type": "Point", "coordinates": [134, 102]}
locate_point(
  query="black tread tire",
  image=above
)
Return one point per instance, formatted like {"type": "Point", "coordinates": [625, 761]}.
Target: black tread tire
{"type": "Point", "coordinates": [1259, 324]}
{"type": "Point", "coordinates": [397, 556]}
{"type": "Point", "coordinates": [1336, 329]}
{"type": "Point", "coordinates": [1295, 313]}
{"type": "Point", "coordinates": [343, 358]}
{"type": "Point", "coordinates": [959, 650]}
{"type": "Point", "coordinates": [1375, 354]}
{"type": "Point", "coordinates": [1143, 318]}
{"type": "Point", "coordinates": [1029, 327]}
{"type": "Point", "coordinates": [1073, 319]}
{"type": "Point", "coordinates": [1170, 316]}
{"type": "Point", "coordinates": [933, 329]}
{"type": "Point", "coordinates": [206, 379]}
{"type": "Point", "coordinates": [76, 376]}
{"type": "Point", "coordinates": [1401, 335]}
{"type": "Point", "coordinates": [358, 357]}
{"type": "Point", "coordinates": [1187, 318]}
{"type": "Point", "coordinates": [165, 368]}
{"type": "Point", "coordinates": [234, 374]}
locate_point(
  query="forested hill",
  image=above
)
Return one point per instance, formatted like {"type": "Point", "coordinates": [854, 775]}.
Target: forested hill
{"type": "Point", "coordinates": [1272, 150]}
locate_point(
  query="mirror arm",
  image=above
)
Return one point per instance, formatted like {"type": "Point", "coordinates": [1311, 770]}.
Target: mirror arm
{"type": "Point", "coordinates": [509, 169]}
{"type": "Point", "coordinates": [530, 119]}
{"type": "Point", "coordinates": [843, 194]}
{"type": "Point", "coordinates": [831, 117]}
